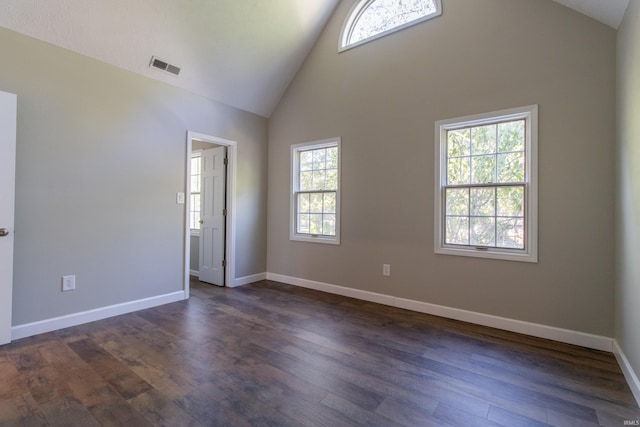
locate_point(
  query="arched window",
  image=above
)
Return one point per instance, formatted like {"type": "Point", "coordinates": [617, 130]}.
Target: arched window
{"type": "Point", "coordinates": [371, 19]}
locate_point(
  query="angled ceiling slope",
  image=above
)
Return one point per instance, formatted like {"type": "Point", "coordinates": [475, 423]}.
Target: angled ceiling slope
{"type": "Point", "coordinates": [609, 12]}
{"type": "Point", "coordinates": [243, 53]}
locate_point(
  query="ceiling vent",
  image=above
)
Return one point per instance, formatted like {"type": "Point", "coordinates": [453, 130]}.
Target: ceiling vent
{"type": "Point", "coordinates": [164, 66]}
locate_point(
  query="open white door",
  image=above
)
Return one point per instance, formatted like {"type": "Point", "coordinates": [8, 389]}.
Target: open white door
{"type": "Point", "coordinates": [212, 216]}
{"type": "Point", "coordinates": [8, 115]}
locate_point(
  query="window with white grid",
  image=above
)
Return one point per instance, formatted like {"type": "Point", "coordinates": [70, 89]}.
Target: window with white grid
{"type": "Point", "coordinates": [315, 191]}
{"type": "Point", "coordinates": [486, 194]}
{"type": "Point", "coordinates": [194, 205]}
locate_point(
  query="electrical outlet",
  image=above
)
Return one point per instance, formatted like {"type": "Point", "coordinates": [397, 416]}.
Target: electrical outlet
{"type": "Point", "coordinates": [386, 269]}
{"type": "Point", "coordinates": [68, 283]}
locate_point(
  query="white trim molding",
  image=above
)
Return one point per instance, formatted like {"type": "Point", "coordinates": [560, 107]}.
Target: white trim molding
{"type": "Point", "coordinates": [75, 319]}
{"type": "Point", "coordinates": [568, 336]}
{"type": "Point", "coordinates": [245, 280]}
{"type": "Point", "coordinates": [629, 374]}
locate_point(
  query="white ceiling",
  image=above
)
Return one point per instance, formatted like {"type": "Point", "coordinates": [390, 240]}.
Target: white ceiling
{"type": "Point", "coordinates": [243, 53]}
{"type": "Point", "coordinates": [609, 12]}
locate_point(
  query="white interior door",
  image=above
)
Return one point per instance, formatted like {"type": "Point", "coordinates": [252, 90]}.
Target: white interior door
{"type": "Point", "coordinates": [212, 216]}
{"type": "Point", "coordinates": [8, 115]}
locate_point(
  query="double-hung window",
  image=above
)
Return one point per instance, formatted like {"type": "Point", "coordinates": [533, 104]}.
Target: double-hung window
{"type": "Point", "coordinates": [486, 185]}
{"type": "Point", "coordinates": [315, 191]}
{"type": "Point", "coordinates": [194, 204]}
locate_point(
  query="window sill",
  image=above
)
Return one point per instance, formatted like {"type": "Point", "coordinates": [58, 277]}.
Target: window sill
{"type": "Point", "coordinates": [490, 253]}
{"type": "Point", "coordinates": [319, 239]}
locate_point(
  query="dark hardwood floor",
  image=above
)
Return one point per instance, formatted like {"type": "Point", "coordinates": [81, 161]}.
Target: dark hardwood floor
{"type": "Point", "coordinates": [272, 354]}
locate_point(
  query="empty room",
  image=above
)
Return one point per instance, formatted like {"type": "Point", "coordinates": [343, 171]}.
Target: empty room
{"type": "Point", "coordinates": [320, 213]}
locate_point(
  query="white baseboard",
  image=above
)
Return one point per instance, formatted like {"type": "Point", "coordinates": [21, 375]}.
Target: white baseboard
{"type": "Point", "coordinates": [240, 281]}
{"type": "Point", "coordinates": [534, 329]}
{"type": "Point", "coordinates": [194, 273]}
{"type": "Point", "coordinates": [48, 325]}
{"type": "Point", "coordinates": [627, 370]}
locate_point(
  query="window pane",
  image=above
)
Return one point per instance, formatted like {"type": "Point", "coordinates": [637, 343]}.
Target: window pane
{"type": "Point", "coordinates": [510, 233]}
{"type": "Point", "coordinates": [458, 171]}
{"type": "Point", "coordinates": [319, 158]}
{"type": "Point", "coordinates": [483, 201]}
{"type": "Point", "coordinates": [194, 215]}
{"type": "Point", "coordinates": [303, 203]}
{"type": "Point", "coordinates": [332, 180]}
{"type": "Point", "coordinates": [318, 180]}
{"type": "Point", "coordinates": [510, 201]}
{"type": "Point", "coordinates": [306, 160]}
{"type": "Point", "coordinates": [195, 184]}
{"type": "Point", "coordinates": [315, 202]}
{"type": "Point", "coordinates": [457, 202]}
{"type": "Point", "coordinates": [315, 224]}
{"type": "Point", "coordinates": [332, 158]}
{"type": "Point", "coordinates": [303, 223]}
{"type": "Point", "coordinates": [483, 169]}
{"type": "Point", "coordinates": [511, 167]}
{"type": "Point", "coordinates": [195, 202]}
{"type": "Point", "coordinates": [329, 203]}
{"type": "Point", "coordinates": [483, 140]}
{"type": "Point", "coordinates": [457, 232]}
{"type": "Point", "coordinates": [306, 181]}
{"type": "Point", "coordinates": [483, 231]}
{"type": "Point", "coordinates": [195, 165]}
{"type": "Point", "coordinates": [458, 143]}
{"type": "Point", "coordinates": [511, 136]}
{"type": "Point", "coordinates": [329, 224]}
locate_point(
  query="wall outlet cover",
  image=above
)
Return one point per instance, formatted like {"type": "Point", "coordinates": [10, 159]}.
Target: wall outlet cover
{"type": "Point", "coordinates": [68, 283]}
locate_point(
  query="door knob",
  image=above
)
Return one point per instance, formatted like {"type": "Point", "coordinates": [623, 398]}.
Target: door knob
{"type": "Point", "coordinates": [4, 232]}
{"type": "Point", "coordinates": [201, 221]}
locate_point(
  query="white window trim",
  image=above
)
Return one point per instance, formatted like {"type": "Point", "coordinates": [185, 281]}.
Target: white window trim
{"type": "Point", "coordinates": [530, 252]}
{"type": "Point", "coordinates": [361, 6]}
{"type": "Point", "coordinates": [293, 235]}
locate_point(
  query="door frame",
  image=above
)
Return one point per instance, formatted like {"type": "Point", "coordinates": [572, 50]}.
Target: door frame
{"type": "Point", "coordinates": [230, 222]}
{"type": "Point", "coordinates": [8, 125]}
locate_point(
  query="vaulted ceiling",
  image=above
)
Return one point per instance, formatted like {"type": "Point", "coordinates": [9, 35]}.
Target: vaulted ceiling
{"type": "Point", "coordinates": [243, 53]}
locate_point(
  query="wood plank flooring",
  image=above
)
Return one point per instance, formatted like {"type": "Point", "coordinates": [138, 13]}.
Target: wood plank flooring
{"type": "Point", "coordinates": [277, 355]}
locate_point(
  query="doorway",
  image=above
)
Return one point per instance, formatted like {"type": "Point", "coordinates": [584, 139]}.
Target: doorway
{"type": "Point", "coordinates": [8, 119]}
{"type": "Point", "coordinates": [216, 225]}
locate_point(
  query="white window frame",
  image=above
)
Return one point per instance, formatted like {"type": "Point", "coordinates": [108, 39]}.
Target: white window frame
{"type": "Point", "coordinates": [355, 13]}
{"type": "Point", "coordinates": [294, 185]}
{"type": "Point", "coordinates": [530, 251]}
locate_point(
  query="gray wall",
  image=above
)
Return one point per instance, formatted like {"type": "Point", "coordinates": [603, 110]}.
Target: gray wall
{"type": "Point", "coordinates": [101, 153]}
{"type": "Point", "coordinates": [627, 295]}
{"type": "Point", "coordinates": [383, 98]}
{"type": "Point", "coordinates": [194, 254]}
